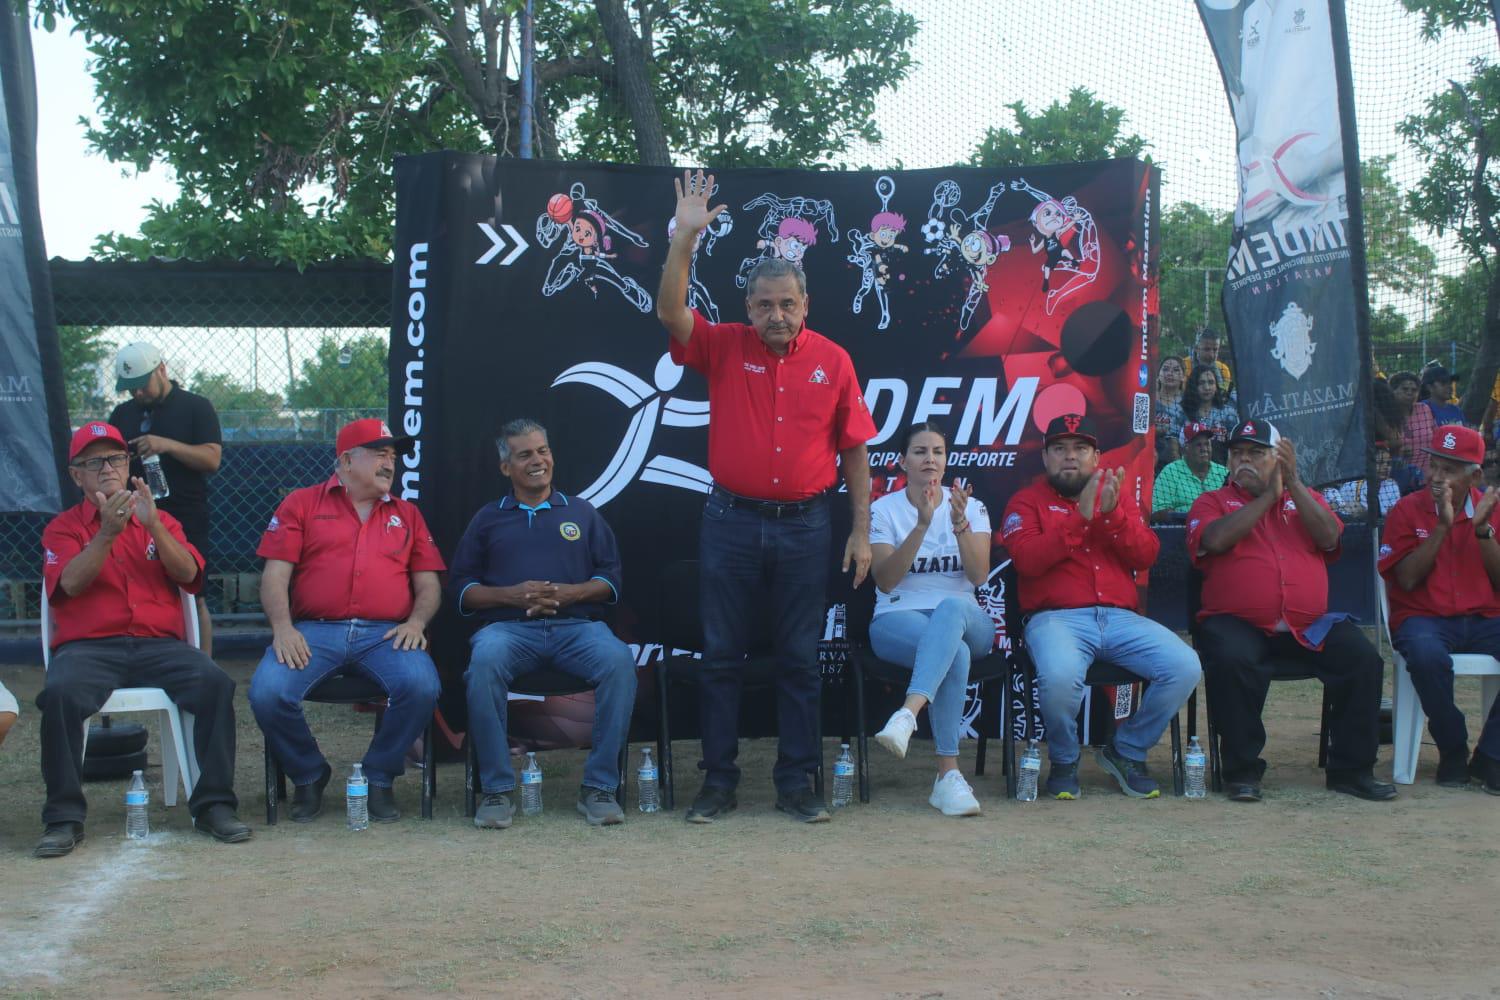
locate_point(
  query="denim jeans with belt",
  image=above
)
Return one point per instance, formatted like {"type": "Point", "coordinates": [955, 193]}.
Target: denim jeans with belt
{"type": "Point", "coordinates": [747, 557]}
{"type": "Point", "coordinates": [501, 652]}
{"type": "Point", "coordinates": [408, 677]}
{"type": "Point", "coordinates": [938, 645]}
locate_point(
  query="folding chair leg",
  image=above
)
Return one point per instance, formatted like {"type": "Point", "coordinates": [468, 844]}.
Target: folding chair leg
{"type": "Point", "coordinates": [818, 774]}
{"type": "Point", "coordinates": [1323, 730]}
{"type": "Point", "coordinates": [623, 762]}
{"type": "Point", "coordinates": [664, 738]}
{"type": "Point", "coordinates": [429, 770]}
{"type": "Point", "coordinates": [984, 714]}
{"type": "Point", "coordinates": [173, 767]}
{"type": "Point", "coordinates": [273, 786]}
{"type": "Point", "coordinates": [1192, 713]}
{"type": "Point", "coordinates": [471, 776]}
{"type": "Point", "coordinates": [1215, 772]}
{"type": "Point", "coordinates": [1178, 778]}
{"type": "Point", "coordinates": [863, 747]}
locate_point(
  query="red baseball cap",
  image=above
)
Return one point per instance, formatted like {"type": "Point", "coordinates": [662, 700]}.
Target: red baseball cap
{"type": "Point", "coordinates": [1458, 443]}
{"type": "Point", "coordinates": [1192, 429]}
{"type": "Point", "coordinates": [372, 432]}
{"type": "Point", "coordinates": [95, 430]}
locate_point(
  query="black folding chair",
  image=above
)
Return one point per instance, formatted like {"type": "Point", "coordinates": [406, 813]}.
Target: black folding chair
{"type": "Point", "coordinates": [1101, 673]}
{"type": "Point", "coordinates": [985, 672]}
{"type": "Point", "coordinates": [347, 687]}
{"type": "Point", "coordinates": [1281, 670]}
{"type": "Point", "coordinates": [682, 635]}
{"type": "Point", "coordinates": [544, 683]}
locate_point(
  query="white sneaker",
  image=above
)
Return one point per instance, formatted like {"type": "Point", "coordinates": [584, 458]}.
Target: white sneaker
{"type": "Point", "coordinates": [897, 732]}
{"type": "Point", "coordinates": [952, 796]}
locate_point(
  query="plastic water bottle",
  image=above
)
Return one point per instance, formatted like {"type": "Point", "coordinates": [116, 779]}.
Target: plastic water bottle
{"type": "Point", "coordinates": [357, 794]}
{"type": "Point", "coordinates": [1030, 771]}
{"type": "Point", "coordinates": [1195, 763]}
{"type": "Point", "coordinates": [843, 778]}
{"type": "Point", "coordinates": [531, 787]}
{"type": "Point", "coordinates": [156, 477]}
{"type": "Point", "coordinates": [137, 826]}
{"type": "Point", "coordinates": [646, 783]}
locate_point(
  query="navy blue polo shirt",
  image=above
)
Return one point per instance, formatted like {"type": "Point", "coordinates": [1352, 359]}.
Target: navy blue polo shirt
{"type": "Point", "coordinates": [561, 540]}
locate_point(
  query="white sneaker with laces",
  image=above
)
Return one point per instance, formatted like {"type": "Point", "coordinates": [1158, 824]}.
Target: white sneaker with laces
{"type": "Point", "coordinates": [952, 796]}
{"type": "Point", "coordinates": [897, 732]}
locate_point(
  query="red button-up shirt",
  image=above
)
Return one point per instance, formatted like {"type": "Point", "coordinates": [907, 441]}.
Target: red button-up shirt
{"type": "Point", "coordinates": [1457, 584]}
{"type": "Point", "coordinates": [344, 567]}
{"type": "Point", "coordinates": [1274, 574]}
{"type": "Point", "coordinates": [1063, 561]}
{"type": "Point", "coordinates": [778, 421]}
{"type": "Point", "coordinates": [132, 595]}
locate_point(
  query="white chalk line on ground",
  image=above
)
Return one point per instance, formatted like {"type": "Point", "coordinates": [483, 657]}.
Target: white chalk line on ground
{"type": "Point", "coordinates": [44, 947]}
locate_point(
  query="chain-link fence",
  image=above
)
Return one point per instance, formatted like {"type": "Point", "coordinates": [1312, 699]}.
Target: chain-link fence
{"type": "Point", "coordinates": [286, 357]}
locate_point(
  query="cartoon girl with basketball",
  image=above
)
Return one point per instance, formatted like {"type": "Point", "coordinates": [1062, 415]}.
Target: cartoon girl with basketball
{"type": "Point", "coordinates": [585, 230]}
{"type": "Point", "coordinates": [1063, 230]}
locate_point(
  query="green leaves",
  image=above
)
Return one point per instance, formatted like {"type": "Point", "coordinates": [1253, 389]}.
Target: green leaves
{"type": "Point", "coordinates": [1084, 128]}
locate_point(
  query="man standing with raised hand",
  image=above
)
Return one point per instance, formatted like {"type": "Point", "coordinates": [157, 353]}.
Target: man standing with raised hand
{"type": "Point", "coordinates": [786, 412]}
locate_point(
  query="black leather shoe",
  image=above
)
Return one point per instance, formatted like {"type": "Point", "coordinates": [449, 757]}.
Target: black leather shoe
{"type": "Point", "coordinates": [219, 822]}
{"type": "Point", "coordinates": [1453, 767]}
{"type": "Point", "coordinates": [712, 802]}
{"type": "Point", "coordinates": [1243, 791]}
{"type": "Point", "coordinates": [307, 800]}
{"type": "Point", "coordinates": [1361, 786]}
{"type": "Point", "coordinates": [383, 805]}
{"type": "Point", "coordinates": [59, 839]}
{"type": "Point", "coordinates": [1485, 770]}
{"type": "Point", "coordinates": [802, 805]}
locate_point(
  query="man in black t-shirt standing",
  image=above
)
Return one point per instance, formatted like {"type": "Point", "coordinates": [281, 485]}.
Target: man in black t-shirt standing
{"type": "Point", "coordinates": [181, 427]}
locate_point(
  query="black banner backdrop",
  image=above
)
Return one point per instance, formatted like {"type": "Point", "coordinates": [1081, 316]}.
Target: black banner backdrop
{"type": "Point", "coordinates": [991, 301]}
{"type": "Point", "coordinates": [33, 407]}
{"type": "Point", "coordinates": [1293, 297]}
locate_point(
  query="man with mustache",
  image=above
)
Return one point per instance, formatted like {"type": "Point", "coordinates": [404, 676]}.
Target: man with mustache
{"type": "Point", "coordinates": [786, 413]}
{"type": "Point", "coordinates": [1078, 540]}
{"type": "Point", "coordinates": [351, 581]}
{"type": "Point", "coordinates": [1262, 543]}
{"type": "Point", "coordinates": [113, 566]}
{"type": "Point", "coordinates": [1441, 563]}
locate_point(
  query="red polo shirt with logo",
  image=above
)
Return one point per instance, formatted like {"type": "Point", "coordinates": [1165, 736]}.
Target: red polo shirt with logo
{"type": "Point", "coordinates": [1063, 561]}
{"type": "Point", "coordinates": [344, 567]}
{"type": "Point", "coordinates": [1457, 584]}
{"type": "Point", "coordinates": [132, 595]}
{"type": "Point", "coordinates": [1274, 574]}
{"type": "Point", "coordinates": [778, 422]}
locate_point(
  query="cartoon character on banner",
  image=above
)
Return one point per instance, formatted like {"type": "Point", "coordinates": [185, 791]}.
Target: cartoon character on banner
{"type": "Point", "coordinates": [585, 230]}
{"type": "Point", "coordinates": [629, 458]}
{"type": "Point", "coordinates": [875, 252]}
{"type": "Point", "coordinates": [697, 295]}
{"type": "Point", "coordinates": [1066, 232]}
{"type": "Point", "coordinates": [965, 241]}
{"type": "Point", "coordinates": [789, 228]}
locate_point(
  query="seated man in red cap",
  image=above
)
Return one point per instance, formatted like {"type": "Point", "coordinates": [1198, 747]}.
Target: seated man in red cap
{"type": "Point", "coordinates": [1441, 563]}
{"type": "Point", "coordinates": [351, 581]}
{"type": "Point", "coordinates": [113, 566]}
{"type": "Point", "coordinates": [1263, 543]}
{"type": "Point", "coordinates": [1078, 541]}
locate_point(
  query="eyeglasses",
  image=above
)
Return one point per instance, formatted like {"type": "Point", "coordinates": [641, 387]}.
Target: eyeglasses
{"type": "Point", "coordinates": [96, 463]}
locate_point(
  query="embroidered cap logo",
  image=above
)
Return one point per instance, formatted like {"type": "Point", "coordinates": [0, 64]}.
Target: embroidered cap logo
{"type": "Point", "coordinates": [1450, 442]}
{"type": "Point", "coordinates": [1071, 422]}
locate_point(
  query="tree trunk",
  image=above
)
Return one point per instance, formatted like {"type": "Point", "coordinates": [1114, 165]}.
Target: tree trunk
{"type": "Point", "coordinates": [1487, 361]}
{"type": "Point", "coordinates": [635, 84]}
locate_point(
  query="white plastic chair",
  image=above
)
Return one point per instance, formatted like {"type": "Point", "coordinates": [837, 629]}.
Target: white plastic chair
{"type": "Point", "coordinates": [1407, 717]}
{"type": "Point", "coordinates": [179, 762]}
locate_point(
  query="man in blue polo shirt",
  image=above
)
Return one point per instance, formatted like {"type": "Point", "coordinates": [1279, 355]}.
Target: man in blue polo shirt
{"type": "Point", "coordinates": [539, 567]}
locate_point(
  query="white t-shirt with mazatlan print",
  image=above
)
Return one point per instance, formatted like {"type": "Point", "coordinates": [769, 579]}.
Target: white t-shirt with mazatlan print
{"type": "Point", "coordinates": [937, 573]}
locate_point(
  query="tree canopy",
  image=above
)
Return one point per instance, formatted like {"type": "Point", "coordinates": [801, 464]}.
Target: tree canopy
{"type": "Point", "coordinates": [1079, 129]}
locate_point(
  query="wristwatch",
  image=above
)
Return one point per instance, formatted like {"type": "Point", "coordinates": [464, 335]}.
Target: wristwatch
{"type": "Point", "coordinates": [1486, 532]}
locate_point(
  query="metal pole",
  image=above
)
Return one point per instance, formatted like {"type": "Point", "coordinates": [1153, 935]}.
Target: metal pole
{"type": "Point", "coordinates": [528, 79]}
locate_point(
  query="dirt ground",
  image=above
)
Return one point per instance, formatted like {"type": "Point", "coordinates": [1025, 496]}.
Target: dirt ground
{"type": "Point", "coordinates": [1308, 894]}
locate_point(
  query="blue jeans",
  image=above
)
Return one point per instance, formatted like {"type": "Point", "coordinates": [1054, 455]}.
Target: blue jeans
{"type": "Point", "coordinates": [1426, 644]}
{"type": "Point", "coordinates": [1063, 644]}
{"type": "Point", "coordinates": [408, 676]}
{"type": "Point", "coordinates": [748, 558]}
{"type": "Point", "coordinates": [938, 645]}
{"type": "Point", "coordinates": [502, 651]}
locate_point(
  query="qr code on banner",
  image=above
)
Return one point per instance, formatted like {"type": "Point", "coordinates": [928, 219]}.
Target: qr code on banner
{"type": "Point", "coordinates": [1140, 418]}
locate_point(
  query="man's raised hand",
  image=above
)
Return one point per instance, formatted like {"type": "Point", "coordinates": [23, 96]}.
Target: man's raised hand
{"type": "Point", "coordinates": [1090, 495]}
{"type": "Point", "coordinates": [1485, 505]}
{"type": "Point", "coordinates": [693, 213]}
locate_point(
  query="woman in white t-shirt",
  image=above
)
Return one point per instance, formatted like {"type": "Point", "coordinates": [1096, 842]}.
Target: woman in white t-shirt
{"type": "Point", "coordinates": [928, 556]}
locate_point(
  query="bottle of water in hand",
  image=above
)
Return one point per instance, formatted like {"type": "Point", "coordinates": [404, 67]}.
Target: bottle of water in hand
{"type": "Point", "coordinates": [137, 826]}
{"type": "Point", "coordinates": [1194, 765]}
{"type": "Point", "coordinates": [357, 794]}
{"type": "Point", "coordinates": [1030, 771]}
{"type": "Point", "coordinates": [843, 778]}
{"type": "Point", "coordinates": [647, 783]}
{"type": "Point", "coordinates": [531, 787]}
{"type": "Point", "coordinates": [156, 477]}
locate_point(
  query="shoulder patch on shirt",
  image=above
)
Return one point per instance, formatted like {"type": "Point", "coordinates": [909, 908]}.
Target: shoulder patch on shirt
{"type": "Point", "coordinates": [1012, 524]}
{"type": "Point", "coordinates": [51, 557]}
{"type": "Point", "coordinates": [1385, 550]}
{"type": "Point", "coordinates": [394, 522]}
{"type": "Point", "coordinates": [1289, 504]}
{"type": "Point", "coordinates": [570, 531]}
{"type": "Point", "coordinates": [1194, 523]}
{"type": "Point", "coordinates": [275, 524]}
{"type": "Point", "coordinates": [818, 377]}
